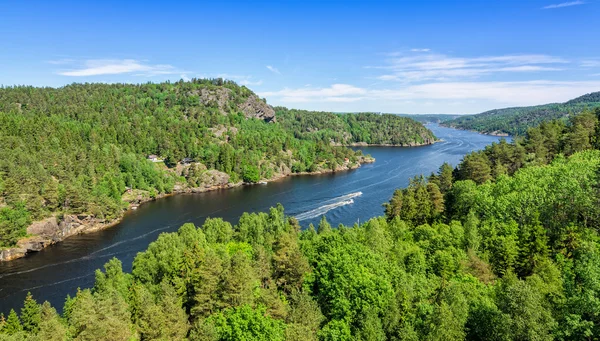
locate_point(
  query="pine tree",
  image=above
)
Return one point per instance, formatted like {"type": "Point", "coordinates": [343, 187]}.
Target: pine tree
{"type": "Point", "coordinates": [13, 324]}
{"type": "Point", "coordinates": [445, 177]}
{"type": "Point", "coordinates": [30, 314]}
{"type": "Point", "coordinates": [51, 328]}
{"type": "Point", "coordinates": [324, 226]}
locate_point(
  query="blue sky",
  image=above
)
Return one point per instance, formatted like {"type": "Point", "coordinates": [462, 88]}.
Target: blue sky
{"type": "Point", "coordinates": [390, 56]}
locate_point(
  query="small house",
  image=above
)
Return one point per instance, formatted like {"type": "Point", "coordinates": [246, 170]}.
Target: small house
{"type": "Point", "coordinates": [153, 158]}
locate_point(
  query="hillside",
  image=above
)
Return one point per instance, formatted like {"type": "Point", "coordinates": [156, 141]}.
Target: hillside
{"type": "Point", "coordinates": [81, 154]}
{"type": "Point", "coordinates": [516, 121]}
{"type": "Point", "coordinates": [430, 118]}
{"type": "Point", "coordinates": [355, 129]}
{"type": "Point", "coordinates": [470, 254]}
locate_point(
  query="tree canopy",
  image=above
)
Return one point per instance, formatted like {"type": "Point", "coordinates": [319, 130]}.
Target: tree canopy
{"type": "Point", "coordinates": [80, 148]}
{"type": "Point", "coordinates": [517, 120]}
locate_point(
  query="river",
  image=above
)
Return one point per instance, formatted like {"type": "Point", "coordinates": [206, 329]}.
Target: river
{"type": "Point", "coordinates": [345, 198]}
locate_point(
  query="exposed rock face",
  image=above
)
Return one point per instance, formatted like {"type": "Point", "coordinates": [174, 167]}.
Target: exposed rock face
{"type": "Point", "coordinates": [50, 231]}
{"type": "Point", "coordinates": [219, 97]}
{"type": "Point", "coordinates": [214, 178]}
{"type": "Point", "coordinates": [252, 107]}
{"type": "Point", "coordinates": [203, 179]}
{"type": "Point", "coordinates": [255, 107]}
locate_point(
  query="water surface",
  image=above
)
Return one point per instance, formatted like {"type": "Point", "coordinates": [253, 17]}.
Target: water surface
{"type": "Point", "coordinates": [345, 198]}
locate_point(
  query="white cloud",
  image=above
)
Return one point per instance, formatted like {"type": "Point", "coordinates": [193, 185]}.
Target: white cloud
{"type": "Point", "coordinates": [420, 50]}
{"type": "Point", "coordinates": [503, 93]}
{"type": "Point", "coordinates": [247, 82]}
{"type": "Point", "coordinates": [97, 67]}
{"type": "Point", "coordinates": [334, 93]}
{"type": "Point", "coordinates": [439, 67]}
{"type": "Point", "coordinates": [273, 69]}
{"type": "Point", "coordinates": [590, 63]}
{"type": "Point", "coordinates": [564, 4]}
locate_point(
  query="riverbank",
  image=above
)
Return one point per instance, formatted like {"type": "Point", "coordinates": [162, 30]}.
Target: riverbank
{"type": "Point", "coordinates": [49, 231]}
{"type": "Point", "coordinates": [412, 144]}
{"type": "Point", "coordinates": [494, 133]}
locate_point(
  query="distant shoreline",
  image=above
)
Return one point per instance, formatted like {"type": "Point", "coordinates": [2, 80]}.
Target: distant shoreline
{"type": "Point", "coordinates": [72, 225]}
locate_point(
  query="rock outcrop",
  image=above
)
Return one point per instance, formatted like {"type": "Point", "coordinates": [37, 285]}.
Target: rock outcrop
{"type": "Point", "coordinates": [254, 107]}
{"type": "Point", "coordinates": [221, 98]}
{"type": "Point", "coordinates": [50, 231]}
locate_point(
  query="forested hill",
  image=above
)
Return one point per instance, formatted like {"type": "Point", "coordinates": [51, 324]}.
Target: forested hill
{"type": "Point", "coordinates": [359, 128]}
{"type": "Point", "coordinates": [516, 121]}
{"type": "Point", "coordinates": [84, 148]}
{"type": "Point", "coordinates": [427, 118]}
{"type": "Point", "coordinates": [504, 247]}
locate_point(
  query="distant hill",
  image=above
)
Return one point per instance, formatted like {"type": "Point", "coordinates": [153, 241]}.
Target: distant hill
{"type": "Point", "coordinates": [354, 128]}
{"type": "Point", "coordinates": [516, 121]}
{"type": "Point", "coordinates": [428, 118]}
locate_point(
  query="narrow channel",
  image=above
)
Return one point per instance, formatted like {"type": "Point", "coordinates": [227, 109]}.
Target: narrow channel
{"type": "Point", "coordinates": [345, 198]}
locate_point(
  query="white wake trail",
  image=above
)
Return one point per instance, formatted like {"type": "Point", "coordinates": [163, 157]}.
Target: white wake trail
{"type": "Point", "coordinates": [329, 205]}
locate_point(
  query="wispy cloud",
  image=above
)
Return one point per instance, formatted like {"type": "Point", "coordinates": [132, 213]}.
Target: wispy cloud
{"type": "Point", "coordinates": [97, 67]}
{"type": "Point", "coordinates": [504, 93]}
{"type": "Point", "coordinates": [334, 93]}
{"type": "Point", "coordinates": [63, 61]}
{"type": "Point", "coordinates": [439, 67]}
{"type": "Point", "coordinates": [564, 4]}
{"type": "Point", "coordinates": [273, 69]}
{"type": "Point", "coordinates": [420, 50]}
{"type": "Point", "coordinates": [590, 63]}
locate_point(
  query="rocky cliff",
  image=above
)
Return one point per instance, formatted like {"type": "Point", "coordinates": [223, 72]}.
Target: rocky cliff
{"type": "Point", "coordinates": [53, 230]}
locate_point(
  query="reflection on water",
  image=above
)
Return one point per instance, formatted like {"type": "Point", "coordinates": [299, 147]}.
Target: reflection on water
{"type": "Point", "coordinates": [344, 198]}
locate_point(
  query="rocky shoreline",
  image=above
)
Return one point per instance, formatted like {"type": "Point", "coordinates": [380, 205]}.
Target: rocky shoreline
{"type": "Point", "coordinates": [364, 144]}
{"type": "Point", "coordinates": [494, 133]}
{"type": "Point", "coordinates": [55, 229]}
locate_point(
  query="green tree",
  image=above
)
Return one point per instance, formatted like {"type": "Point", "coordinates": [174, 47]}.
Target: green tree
{"type": "Point", "coordinates": [51, 328]}
{"type": "Point", "coordinates": [13, 324]}
{"type": "Point", "coordinates": [30, 314]}
{"type": "Point", "coordinates": [247, 324]}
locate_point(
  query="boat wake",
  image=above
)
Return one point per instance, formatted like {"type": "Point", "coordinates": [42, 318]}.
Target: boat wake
{"type": "Point", "coordinates": [328, 205]}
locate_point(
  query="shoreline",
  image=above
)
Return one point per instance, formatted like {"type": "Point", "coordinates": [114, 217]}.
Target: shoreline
{"type": "Point", "coordinates": [55, 231]}
{"type": "Point", "coordinates": [362, 144]}
{"type": "Point", "coordinates": [478, 132]}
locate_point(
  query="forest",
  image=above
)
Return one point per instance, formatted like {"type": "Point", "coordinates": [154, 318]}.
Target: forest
{"type": "Point", "coordinates": [431, 118]}
{"type": "Point", "coordinates": [77, 149]}
{"type": "Point", "coordinates": [504, 246]}
{"type": "Point", "coordinates": [354, 128]}
{"type": "Point", "coordinates": [516, 121]}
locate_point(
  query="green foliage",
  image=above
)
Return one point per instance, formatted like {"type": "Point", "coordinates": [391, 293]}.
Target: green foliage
{"type": "Point", "coordinates": [251, 174]}
{"type": "Point", "coordinates": [516, 121]}
{"type": "Point", "coordinates": [246, 324]}
{"type": "Point", "coordinates": [31, 315]}
{"type": "Point", "coordinates": [80, 149]}
{"type": "Point", "coordinates": [346, 129]}
{"type": "Point", "coordinates": [515, 257]}
{"type": "Point", "coordinates": [12, 325]}
{"type": "Point", "coordinates": [13, 223]}
{"type": "Point", "coordinates": [51, 327]}
{"type": "Point", "coordinates": [421, 202]}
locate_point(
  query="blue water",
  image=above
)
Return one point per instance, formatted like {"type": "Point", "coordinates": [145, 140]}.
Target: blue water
{"type": "Point", "coordinates": [346, 198]}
